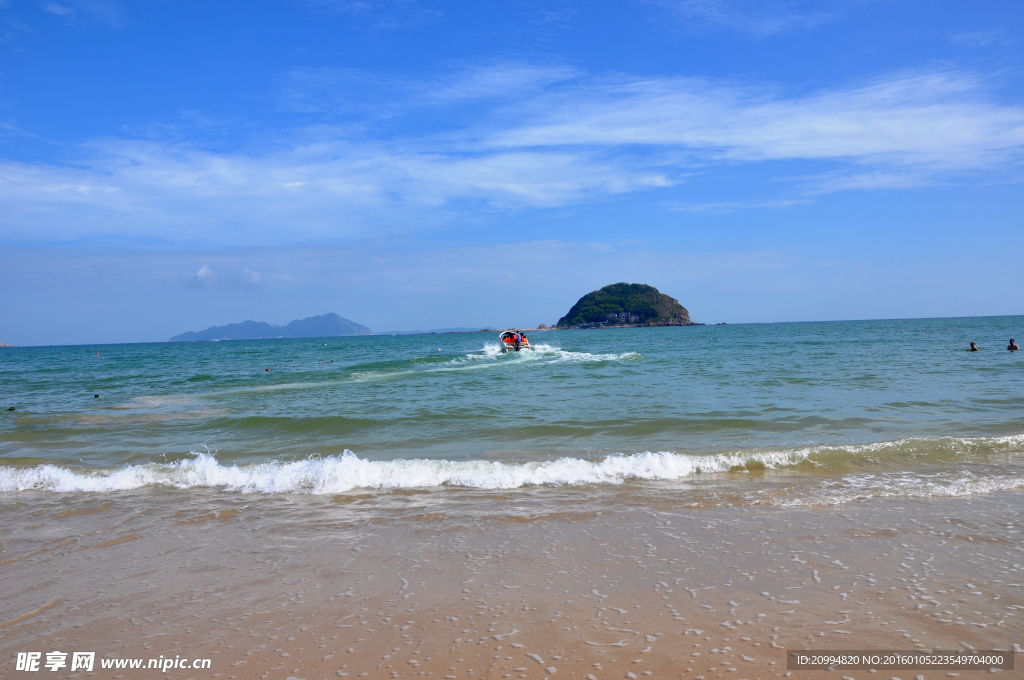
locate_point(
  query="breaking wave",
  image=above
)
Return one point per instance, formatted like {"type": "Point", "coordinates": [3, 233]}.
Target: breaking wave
{"type": "Point", "coordinates": [905, 467]}
{"type": "Point", "coordinates": [338, 474]}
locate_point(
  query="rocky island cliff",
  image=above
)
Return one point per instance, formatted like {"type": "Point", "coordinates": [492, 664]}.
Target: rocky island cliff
{"type": "Point", "coordinates": [626, 304]}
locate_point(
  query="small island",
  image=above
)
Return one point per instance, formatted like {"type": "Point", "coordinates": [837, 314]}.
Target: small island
{"type": "Point", "coordinates": [628, 305]}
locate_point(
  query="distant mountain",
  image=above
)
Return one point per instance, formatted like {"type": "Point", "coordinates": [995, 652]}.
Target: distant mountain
{"type": "Point", "coordinates": [325, 326]}
{"type": "Point", "coordinates": [646, 304]}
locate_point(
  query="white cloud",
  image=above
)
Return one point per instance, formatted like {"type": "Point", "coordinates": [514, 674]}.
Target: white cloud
{"type": "Point", "coordinates": [204, 276]}
{"type": "Point", "coordinates": [59, 10]}
{"type": "Point", "coordinates": [942, 118]}
{"type": "Point", "coordinates": [560, 139]}
{"type": "Point", "coordinates": [250, 278]}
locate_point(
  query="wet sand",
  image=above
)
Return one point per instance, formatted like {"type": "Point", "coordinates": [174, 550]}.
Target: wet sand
{"type": "Point", "coordinates": [421, 585]}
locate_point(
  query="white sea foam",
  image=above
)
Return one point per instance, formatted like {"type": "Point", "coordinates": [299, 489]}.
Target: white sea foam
{"type": "Point", "coordinates": [853, 488]}
{"type": "Point", "coordinates": [279, 386]}
{"type": "Point", "coordinates": [547, 354]}
{"type": "Point", "coordinates": [492, 356]}
{"type": "Point", "coordinates": [340, 474]}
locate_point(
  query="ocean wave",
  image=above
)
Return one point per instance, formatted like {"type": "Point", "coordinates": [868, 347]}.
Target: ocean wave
{"type": "Point", "coordinates": [339, 474]}
{"type": "Point", "coordinates": [915, 450]}
{"type": "Point", "coordinates": [905, 467]}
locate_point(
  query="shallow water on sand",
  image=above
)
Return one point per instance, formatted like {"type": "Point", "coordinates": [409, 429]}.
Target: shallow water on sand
{"type": "Point", "coordinates": [784, 414]}
{"type": "Point", "coordinates": [325, 587]}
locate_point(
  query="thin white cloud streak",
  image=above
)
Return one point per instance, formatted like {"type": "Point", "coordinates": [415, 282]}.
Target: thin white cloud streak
{"type": "Point", "coordinates": [979, 38]}
{"type": "Point", "coordinates": [382, 14]}
{"type": "Point", "coordinates": [757, 17]}
{"type": "Point", "coordinates": [381, 95]}
{"type": "Point", "coordinates": [556, 142]}
{"type": "Point", "coordinates": [109, 12]}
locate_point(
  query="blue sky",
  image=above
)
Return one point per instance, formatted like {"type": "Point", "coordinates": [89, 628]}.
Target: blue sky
{"type": "Point", "coordinates": [166, 166]}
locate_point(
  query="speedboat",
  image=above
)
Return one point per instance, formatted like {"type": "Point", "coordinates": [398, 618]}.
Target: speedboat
{"type": "Point", "coordinates": [507, 341]}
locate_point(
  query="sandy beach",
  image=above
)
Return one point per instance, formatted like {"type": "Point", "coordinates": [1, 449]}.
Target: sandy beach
{"type": "Point", "coordinates": [360, 586]}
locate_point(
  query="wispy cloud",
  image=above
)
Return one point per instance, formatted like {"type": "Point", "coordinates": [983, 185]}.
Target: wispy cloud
{"type": "Point", "coordinates": [249, 277]}
{"type": "Point", "coordinates": [945, 118]}
{"type": "Point", "coordinates": [756, 17]}
{"type": "Point", "coordinates": [382, 14]}
{"type": "Point", "coordinates": [339, 91]}
{"type": "Point", "coordinates": [979, 38]}
{"type": "Point", "coordinates": [507, 138]}
{"type": "Point", "coordinates": [724, 207]}
{"type": "Point", "coordinates": [58, 9]}
{"type": "Point", "coordinates": [109, 12]}
{"type": "Point", "coordinates": [11, 28]}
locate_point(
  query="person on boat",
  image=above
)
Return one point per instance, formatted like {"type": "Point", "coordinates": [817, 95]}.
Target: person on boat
{"type": "Point", "coordinates": [1013, 347]}
{"type": "Point", "coordinates": [519, 340]}
{"type": "Point", "coordinates": [523, 338]}
{"type": "Point", "coordinates": [974, 348]}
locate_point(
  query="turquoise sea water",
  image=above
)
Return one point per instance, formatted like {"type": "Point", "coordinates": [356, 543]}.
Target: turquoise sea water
{"type": "Point", "coordinates": [780, 413]}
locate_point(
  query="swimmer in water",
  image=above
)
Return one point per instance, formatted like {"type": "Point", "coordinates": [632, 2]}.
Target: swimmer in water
{"type": "Point", "coordinates": [1013, 347]}
{"type": "Point", "coordinates": [974, 348]}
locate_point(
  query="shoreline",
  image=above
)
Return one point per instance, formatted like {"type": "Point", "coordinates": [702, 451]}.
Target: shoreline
{"type": "Point", "coordinates": [347, 587]}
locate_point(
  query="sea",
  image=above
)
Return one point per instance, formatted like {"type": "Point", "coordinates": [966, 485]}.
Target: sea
{"type": "Point", "coordinates": [785, 414]}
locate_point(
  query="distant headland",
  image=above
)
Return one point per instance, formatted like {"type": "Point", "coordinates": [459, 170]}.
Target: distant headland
{"type": "Point", "coordinates": [626, 304]}
{"type": "Point", "coordinates": [324, 326]}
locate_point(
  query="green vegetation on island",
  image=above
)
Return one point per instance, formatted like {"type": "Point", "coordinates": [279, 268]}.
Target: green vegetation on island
{"type": "Point", "coordinates": [632, 304]}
